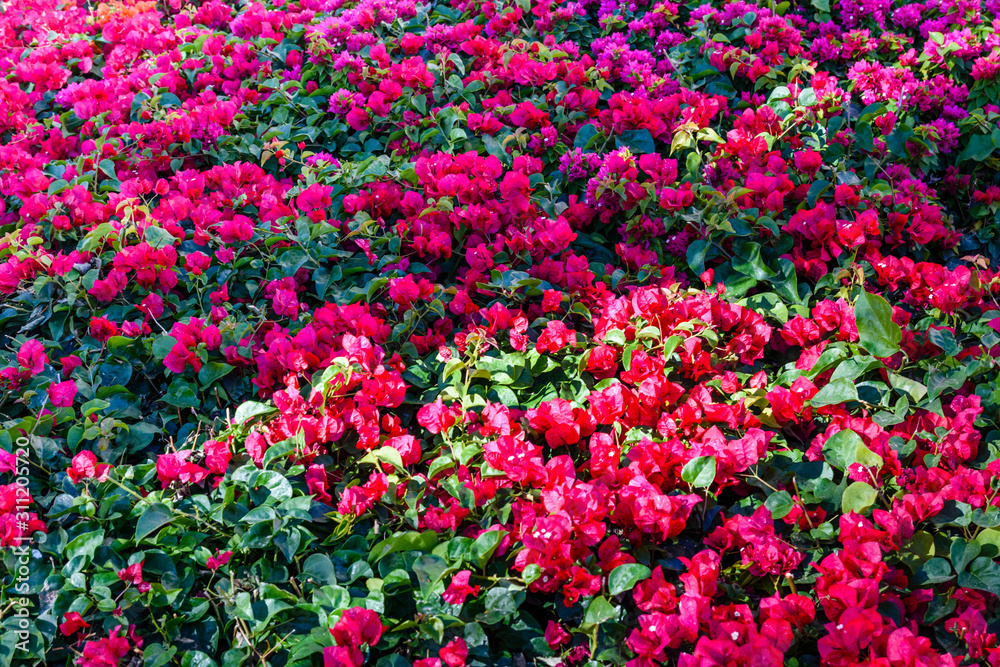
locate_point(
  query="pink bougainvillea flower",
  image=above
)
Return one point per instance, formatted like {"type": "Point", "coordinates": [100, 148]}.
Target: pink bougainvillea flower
{"type": "Point", "coordinates": [61, 394]}
{"type": "Point", "coordinates": [218, 560]}
{"type": "Point", "coordinates": [343, 656]}
{"type": "Point", "coordinates": [357, 626]}
{"type": "Point", "coordinates": [454, 653]}
{"type": "Point", "coordinates": [317, 481]}
{"type": "Point", "coordinates": [108, 651]}
{"type": "Point", "coordinates": [217, 456]}
{"type": "Point", "coordinates": [459, 589]}
{"type": "Point", "coordinates": [8, 461]}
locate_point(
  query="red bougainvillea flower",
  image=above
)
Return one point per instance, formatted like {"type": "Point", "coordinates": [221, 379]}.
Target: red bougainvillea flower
{"type": "Point", "coordinates": [108, 651]}
{"type": "Point", "coordinates": [101, 329]}
{"type": "Point", "coordinates": [459, 589]}
{"type": "Point", "coordinates": [454, 653]}
{"type": "Point", "coordinates": [678, 321]}
{"type": "Point", "coordinates": [132, 575]}
{"type": "Point", "coordinates": [175, 467]}
{"type": "Point", "coordinates": [72, 624]}
{"type": "Point", "coordinates": [217, 456]}
{"type": "Point", "coordinates": [561, 423]}
{"type": "Point", "coordinates": [85, 466]}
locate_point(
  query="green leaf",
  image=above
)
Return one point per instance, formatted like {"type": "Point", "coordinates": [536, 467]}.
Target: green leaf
{"type": "Point", "coordinates": [696, 255]}
{"type": "Point", "coordinates": [815, 190]}
{"type": "Point", "coordinates": [584, 136]}
{"type": "Point", "coordinates": [502, 602]}
{"type": "Point", "coordinates": [737, 284]}
{"type": "Point", "coordinates": [989, 536]}
{"type": "Point", "coordinates": [963, 552]}
{"type": "Point", "coordinates": [212, 371]}
{"type": "Point", "coordinates": [320, 567]}
{"type": "Point", "coordinates": [108, 167]}
{"type": "Point", "coordinates": [897, 139]}
{"type": "Point", "coordinates": [986, 519]}
{"type": "Point", "coordinates": [940, 381]}
{"type": "Point", "coordinates": [905, 385]}
{"type": "Point", "coordinates": [944, 339]}
{"type": "Point", "coordinates": [169, 100]}
{"type": "Point", "coordinates": [494, 148]}
{"type": "Point", "coordinates": [155, 655]}
{"type": "Point", "coordinates": [153, 517]}
{"type": "Point", "coordinates": [934, 571]}
{"type": "Point", "coordinates": [251, 409]}
{"type": "Point", "coordinates": [84, 545]}
{"type": "Point", "coordinates": [614, 337]}
{"type": "Point", "coordinates": [858, 497]}
{"type": "Point", "coordinates": [638, 141]}
{"type": "Point", "coordinates": [835, 393]}
{"type": "Point", "coordinates": [768, 303]}
{"type": "Point", "coordinates": [394, 660]}
{"type": "Point", "coordinates": [158, 237]}
{"type": "Point", "coordinates": [854, 367]}
{"type": "Point", "coordinates": [113, 373]}
{"type": "Point", "coordinates": [408, 541]}
{"type": "Point", "coordinates": [877, 332]}
{"type": "Point", "coordinates": [780, 504]}
{"type": "Point", "coordinates": [939, 608]}
{"type": "Point", "coordinates": [531, 573]}
{"type": "Point", "coordinates": [162, 346]}
{"type": "Point", "coordinates": [863, 135]}
{"type": "Point", "coordinates": [700, 471]}
{"type": "Point", "coordinates": [846, 447]}
{"type": "Point", "coordinates": [291, 260]}
{"type": "Point", "coordinates": [779, 93]}
{"type": "Point", "coordinates": [979, 148]}
{"type": "Point", "coordinates": [983, 575]}
{"type": "Point", "coordinates": [485, 545]}
{"type": "Point", "coordinates": [429, 569]}
{"type": "Point", "coordinates": [749, 262]}
{"type": "Point", "coordinates": [391, 456]}
{"type": "Point", "coordinates": [625, 577]}
{"type": "Point", "coordinates": [181, 394]}
{"type": "Point", "coordinates": [599, 610]}
{"type": "Point", "coordinates": [197, 659]}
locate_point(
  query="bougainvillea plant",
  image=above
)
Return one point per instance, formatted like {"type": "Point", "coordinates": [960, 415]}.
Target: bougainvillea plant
{"type": "Point", "coordinates": [499, 332]}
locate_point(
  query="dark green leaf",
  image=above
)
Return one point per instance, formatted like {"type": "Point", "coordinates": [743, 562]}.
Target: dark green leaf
{"type": "Point", "coordinates": [963, 552]}
{"type": "Point", "coordinates": [934, 571]}
{"type": "Point", "coordinates": [983, 575]}
{"type": "Point", "coordinates": [152, 518]}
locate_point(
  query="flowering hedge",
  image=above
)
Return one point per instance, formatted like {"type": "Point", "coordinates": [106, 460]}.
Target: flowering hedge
{"type": "Point", "coordinates": [493, 333]}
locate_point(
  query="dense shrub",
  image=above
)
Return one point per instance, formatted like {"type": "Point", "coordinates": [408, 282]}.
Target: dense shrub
{"type": "Point", "coordinates": [496, 333]}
